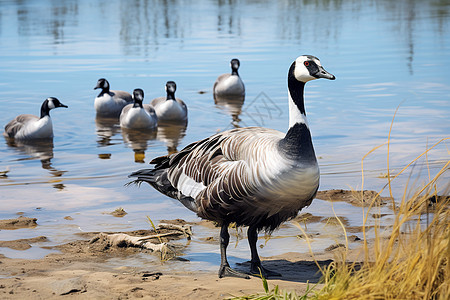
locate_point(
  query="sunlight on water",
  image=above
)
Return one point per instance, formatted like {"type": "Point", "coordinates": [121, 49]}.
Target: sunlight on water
{"type": "Point", "coordinates": [385, 55]}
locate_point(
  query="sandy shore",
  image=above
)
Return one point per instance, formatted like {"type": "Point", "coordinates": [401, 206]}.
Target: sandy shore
{"type": "Point", "coordinates": [78, 276]}
{"type": "Point", "coordinates": [81, 270]}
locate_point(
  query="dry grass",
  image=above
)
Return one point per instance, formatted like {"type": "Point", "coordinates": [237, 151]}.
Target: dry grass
{"type": "Point", "coordinates": [409, 261]}
{"type": "Point", "coordinates": [412, 263]}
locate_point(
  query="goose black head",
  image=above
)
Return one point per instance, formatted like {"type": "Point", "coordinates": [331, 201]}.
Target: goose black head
{"type": "Point", "coordinates": [235, 64]}
{"type": "Point", "coordinates": [138, 97]}
{"type": "Point", "coordinates": [171, 87]}
{"type": "Point", "coordinates": [103, 84]}
{"type": "Point", "coordinates": [53, 102]}
{"type": "Point", "coordinates": [49, 104]}
{"type": "Point", "coordinates": [308, 67]}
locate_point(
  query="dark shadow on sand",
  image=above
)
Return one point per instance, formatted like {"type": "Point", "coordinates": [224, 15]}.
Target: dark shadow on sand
{"type": "Point", "coordinates": [299, 271]}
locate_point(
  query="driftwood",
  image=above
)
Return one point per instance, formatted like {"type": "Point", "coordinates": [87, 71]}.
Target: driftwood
{"type": "Point", "coordinates": [185, 229]}
{"type": "Point", "coordinates": [126, 240]}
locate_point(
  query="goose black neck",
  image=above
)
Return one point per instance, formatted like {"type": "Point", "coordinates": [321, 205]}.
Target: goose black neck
{"type": "Point", "coordinates": [170, 96]}
{"type": "Point", "coordinates": [234, 72]}
{"type": "Point", "coordinates": [297, 144]}
{"type": "Point", "coordinates": [45, 111]}
{"type": "Point", "coordinates": [296, 89]}
{"type": "Point", "coordinates": [104, 91]}
{"type": "Point", "coordinates": [137, 104]}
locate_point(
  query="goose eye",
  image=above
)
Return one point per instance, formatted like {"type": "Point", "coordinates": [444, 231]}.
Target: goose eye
{"type": "Point", "coordinates": [306, 63]}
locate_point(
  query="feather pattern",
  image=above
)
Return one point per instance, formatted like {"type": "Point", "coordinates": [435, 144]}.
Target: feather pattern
{"type": "Point", "coordinates": [237, 176]}
{"type": "Point", "coordinates": [15, 125]}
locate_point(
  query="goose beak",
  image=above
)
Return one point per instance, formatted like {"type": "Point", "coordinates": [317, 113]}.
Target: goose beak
{"type": "Point", "coordinates": [63, 105]}
{"type": "Point", "coordinates": [322, 73]}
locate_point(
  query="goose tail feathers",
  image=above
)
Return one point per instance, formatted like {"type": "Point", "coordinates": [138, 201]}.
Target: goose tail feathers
{"type": "Point", "coordinates": [144, 175]}
{"type": "Point", "coordinates": [157, 178]}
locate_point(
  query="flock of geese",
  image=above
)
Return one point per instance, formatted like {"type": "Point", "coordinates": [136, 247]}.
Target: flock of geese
{"type": "Point", "coordinates": [130, 109]}
{"type": "Point", "coordinates": [254, 176]}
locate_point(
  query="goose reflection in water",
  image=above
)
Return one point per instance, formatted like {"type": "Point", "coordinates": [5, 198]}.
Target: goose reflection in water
{"type": "Point", "coordinates": [41, 149]}
{"type": "Point", "coordinates": [138, 141]}
{"type": "Point", "coordinates": [106, 129]}
{"type": "Point", "coordinates": [232, 105]}
{"type": "Point", "coordinates": [171, 134]}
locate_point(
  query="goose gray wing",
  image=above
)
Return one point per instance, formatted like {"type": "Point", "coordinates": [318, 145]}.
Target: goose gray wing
{"type": "Point", "coordinates": [157, 101]}
{"type": "Point", "coordinates": [125, 109]}
{"type": "Point", "coordinates": [220, 176]}
{"type": "Point", "coordinates": [122, 96]}
{"type": "Point", "coordinates": [17, 124]}
{"type": "Point", "coordinates": [219, 79]}
{"type": "Point", "coordinates": [149, 109]}
{"type": "Point", "coordinates": [183, 105]}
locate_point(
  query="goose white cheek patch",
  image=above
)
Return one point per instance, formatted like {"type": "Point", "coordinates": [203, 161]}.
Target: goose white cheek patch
{"type": "Point", "coordinates": [51, 105]}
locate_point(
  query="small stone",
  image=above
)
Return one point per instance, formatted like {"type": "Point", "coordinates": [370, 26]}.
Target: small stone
{"type": "Point", "coordinates": [334, 247]}
{"type": "Point", "coordinates": [119, 212]}
{"type": "Point", "coordinates": [67, 286]}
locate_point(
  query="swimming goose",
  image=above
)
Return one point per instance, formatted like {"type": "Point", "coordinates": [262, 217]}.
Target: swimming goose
{"type": "Point", "coordinates": [252, 176]}
{"type": "Point", "coordinates": [138, 115]}
{"type": "Point", "coordinates": [170, 109]}
{"type": "Point", "coordinates": [109, 103]}
{"type": "Point", "coordinates": [230, 84]}
{"type": "Point", "coordinates": [32, 127]}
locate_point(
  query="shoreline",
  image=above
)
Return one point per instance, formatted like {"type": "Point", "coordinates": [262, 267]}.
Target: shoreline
{"type": "Point", "coordinates": [89, 268]}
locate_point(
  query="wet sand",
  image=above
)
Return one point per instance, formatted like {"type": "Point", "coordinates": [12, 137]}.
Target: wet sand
{"type": "Point", "coordinates": [82, 268]}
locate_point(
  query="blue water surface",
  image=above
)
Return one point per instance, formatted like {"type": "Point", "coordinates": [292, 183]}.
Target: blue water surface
{"type": "Point", "coordinates": [385, 55]}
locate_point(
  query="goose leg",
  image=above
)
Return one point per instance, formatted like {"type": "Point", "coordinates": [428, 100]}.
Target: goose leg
{"type": "Point", "coordinates": [255, 264]}
{"type": "Point", "coordinates": [225, 269]}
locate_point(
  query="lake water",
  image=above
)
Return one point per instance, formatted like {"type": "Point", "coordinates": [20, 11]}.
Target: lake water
{"type": "Point", "coordinates": [385, 54]}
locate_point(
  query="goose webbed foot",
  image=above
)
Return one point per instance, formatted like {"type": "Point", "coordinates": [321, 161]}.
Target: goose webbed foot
{"type": "Point", "coordinates": [258, 270]}
{"type": "Point", "coordinates": [227, 271]}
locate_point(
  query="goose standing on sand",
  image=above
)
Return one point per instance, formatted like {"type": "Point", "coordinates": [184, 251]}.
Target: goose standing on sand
{"type": "Point", "coordinates": [25, 127]}
{"type": "Point", "coordinates": [170, 109]}
{"type": "Point", "coordinates": [138, 115]}
{"type": "Point", "coordinates": [252, 176]}
{"type": "Point", "coordinates": [109, 103]}
{"type": "Point", "coordinates": [230, 85]}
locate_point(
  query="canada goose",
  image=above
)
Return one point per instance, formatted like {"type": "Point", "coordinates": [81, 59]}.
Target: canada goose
{"type": "Point", "coordinates": [252, 176]}
{"type": "Point", "coordinates": [170, 109]}
{"type": "Point", "coordinates": [30, 126]}
{"type": "Point", "coordinates": [109, 103]}
{"type": "Point", "coordinates": [230, 84]}
{"type": "Point", "coordinates": [138, 115]}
